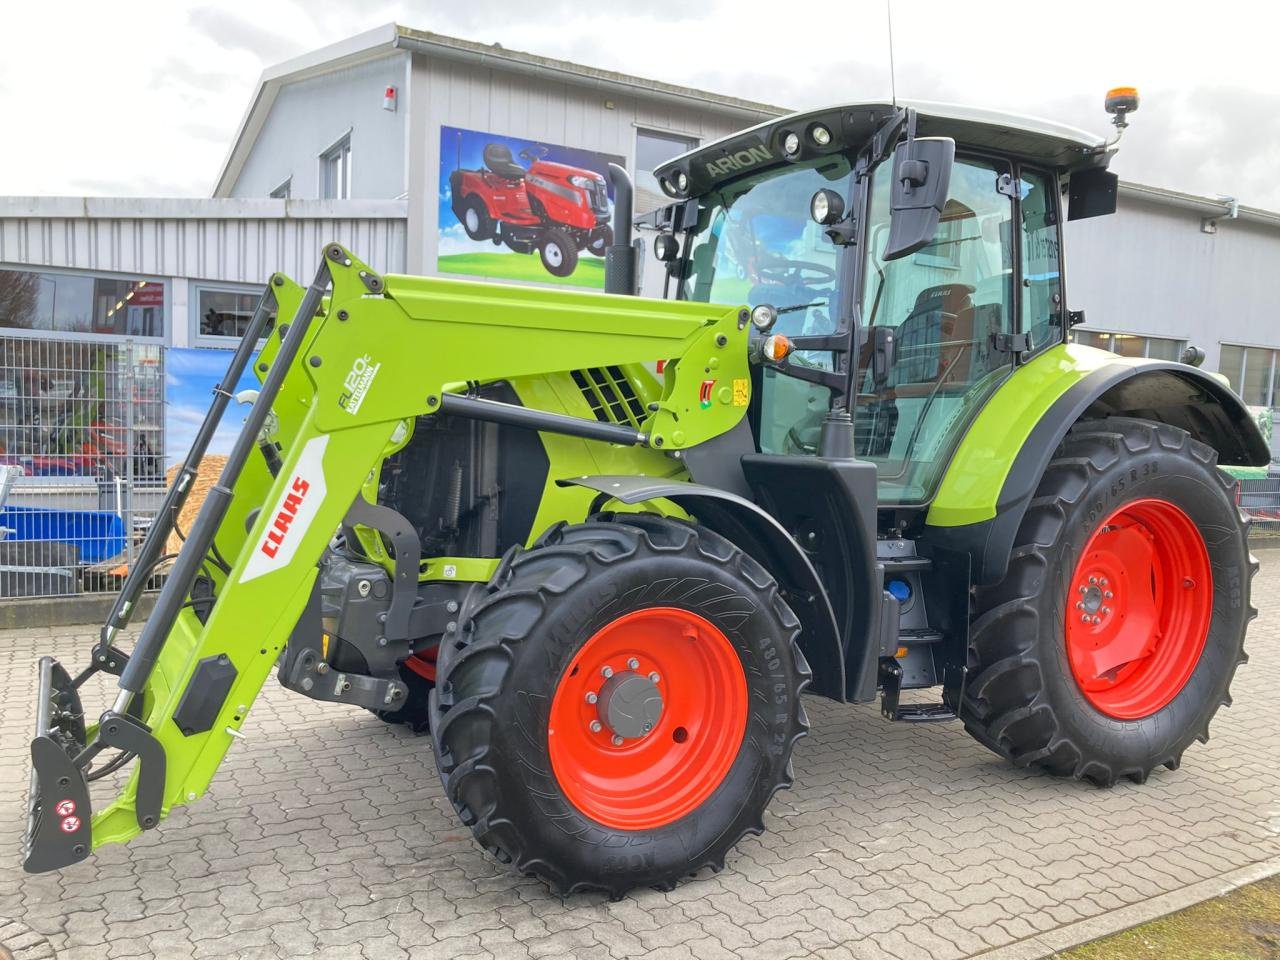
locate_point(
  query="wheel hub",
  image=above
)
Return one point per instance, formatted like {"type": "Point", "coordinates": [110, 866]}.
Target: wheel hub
{"type": "Point", "coordinates": [629, 705]}
{"type": "Point", "coordinates": [1142, 605]}
{"type": "Point", "coordinates": [648, 718]}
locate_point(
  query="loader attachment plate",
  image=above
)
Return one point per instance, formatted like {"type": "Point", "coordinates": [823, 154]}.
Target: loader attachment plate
{"type": "Point", "coordinates": [58, 820]}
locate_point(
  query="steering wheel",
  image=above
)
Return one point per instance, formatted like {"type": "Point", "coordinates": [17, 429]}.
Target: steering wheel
{"type": "Point", "coordinates": [802, 273]}
{"type": "Point", "coordinates": [534, 153]}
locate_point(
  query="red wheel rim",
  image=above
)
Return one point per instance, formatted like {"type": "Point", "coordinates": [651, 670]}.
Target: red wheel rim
{"type": "Point", "coordinates": [1139, 609]}
{"type": "Point", "coordinates": [659, 776]}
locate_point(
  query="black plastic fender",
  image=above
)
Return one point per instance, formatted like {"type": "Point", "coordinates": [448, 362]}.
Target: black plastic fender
{"type": "Point", "coordinates": [752, 529]}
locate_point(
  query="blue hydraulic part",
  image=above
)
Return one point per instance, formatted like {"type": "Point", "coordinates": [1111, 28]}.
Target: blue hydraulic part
{"type": "Point", "coordinates": [900, 590]}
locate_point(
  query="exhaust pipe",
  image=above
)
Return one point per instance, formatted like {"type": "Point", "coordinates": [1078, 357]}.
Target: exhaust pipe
{"type": "Point", "coordinates": [620, 257]}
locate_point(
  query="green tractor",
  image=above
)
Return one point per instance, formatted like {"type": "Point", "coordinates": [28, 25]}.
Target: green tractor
{"type": "Point", "coordinates": [599, 545]}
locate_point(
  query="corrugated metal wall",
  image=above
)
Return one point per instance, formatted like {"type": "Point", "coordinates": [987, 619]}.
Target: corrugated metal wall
{"type": "Point", "coordinates": [1150, 269]}
{"type": "Point", "coordinates": [219, 240]}
{"type": "Point", "coordinates": [310, 115]}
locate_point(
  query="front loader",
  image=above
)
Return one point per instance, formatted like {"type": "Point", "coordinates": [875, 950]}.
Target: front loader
{"type": "Point", "coordinates": [599, 545]}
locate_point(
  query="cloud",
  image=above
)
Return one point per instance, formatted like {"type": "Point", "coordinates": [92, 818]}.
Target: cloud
{"type": "Point", "coordinates": [232, 32]}
{"type": "Point", "coordinates": [455, 240]}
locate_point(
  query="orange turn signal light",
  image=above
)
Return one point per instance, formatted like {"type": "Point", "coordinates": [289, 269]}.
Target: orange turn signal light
{"type": "Point", "coordinates": [777, 348]}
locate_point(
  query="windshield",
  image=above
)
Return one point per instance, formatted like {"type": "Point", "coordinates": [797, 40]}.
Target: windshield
{"type": "Point", "coordinates": [756, 243]}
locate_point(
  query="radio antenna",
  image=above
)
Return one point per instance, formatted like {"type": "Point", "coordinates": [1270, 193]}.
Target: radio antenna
{"type": "Point", "coordinates": [893, 79]}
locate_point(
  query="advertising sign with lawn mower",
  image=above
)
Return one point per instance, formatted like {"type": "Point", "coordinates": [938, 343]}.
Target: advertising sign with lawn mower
{"type": "Point", "coordinates": [523, 210]}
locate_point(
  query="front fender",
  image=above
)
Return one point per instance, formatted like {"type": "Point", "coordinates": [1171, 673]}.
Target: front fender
{"type": "Point", "coordinates": [998, 464]}
{"type": "Point", "coordinates": [764, 539]}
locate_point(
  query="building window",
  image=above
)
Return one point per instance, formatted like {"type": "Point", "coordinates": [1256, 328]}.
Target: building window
{"type": "Point", "coordinates": [652, 150]}
{"type": "Point", "coordinates": [222, 312]}
{"type": "Point", "coordinates": [335, 171]}
{"type": "Point", "coordinates": [284, 191]}
{"type": "Point", "coordinates": [1131, 344]}
{"type": "Point", "coordinates": [1252, 372]}
{"type": "Point", "coordinates": [81, 303]}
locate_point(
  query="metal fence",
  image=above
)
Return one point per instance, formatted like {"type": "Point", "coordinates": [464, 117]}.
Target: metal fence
{"type": "Point", "coordinates": [81, 461]}
{"type": "Point", "coordinates": [1260, 502]}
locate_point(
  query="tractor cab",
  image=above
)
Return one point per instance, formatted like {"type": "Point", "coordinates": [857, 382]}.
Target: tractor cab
{"type": "Point", "coordinates": [907, 258]}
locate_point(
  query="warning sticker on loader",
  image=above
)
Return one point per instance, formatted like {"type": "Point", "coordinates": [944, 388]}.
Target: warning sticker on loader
{"type": "Point", "coordinates": [292, 514]}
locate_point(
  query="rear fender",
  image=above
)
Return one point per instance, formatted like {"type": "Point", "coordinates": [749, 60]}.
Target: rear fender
{"type": "Point", "coordinates": [998, 465]}
{"type": "Point", "coordinates": [763, 538]}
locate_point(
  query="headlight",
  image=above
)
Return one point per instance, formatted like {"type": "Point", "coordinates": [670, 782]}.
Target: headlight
{"type": "Point", "coordinates": [666, 186]}
{"type": "Point", "coordinates": [666, 247]}
{"type": "Point", "coordinates": [791, 144]}
{"type": "Point", "coordinates": [763, 317]}
{"type": "Point", "coordinates": [586, 183]}
{"type": "Point", "coordinates": [682, 181]}
{"type": "Point", "coordinates": [820, 134]}
{"type": "Point", "coordinates": [826, 207]}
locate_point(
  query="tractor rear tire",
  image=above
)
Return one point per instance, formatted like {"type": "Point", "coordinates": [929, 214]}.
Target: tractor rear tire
{"type": "Point", "coordinates": [643, 604]}
{"type": "Point", "coordinates": [475, 219]}
{"type": "Point", "coordinates": [1113, 638]}
{"type": "Point", "coordinates": [558, 252]}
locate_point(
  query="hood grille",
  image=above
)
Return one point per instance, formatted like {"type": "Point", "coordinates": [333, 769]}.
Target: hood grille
{"type": "Point", "coordinates": [610, 396]}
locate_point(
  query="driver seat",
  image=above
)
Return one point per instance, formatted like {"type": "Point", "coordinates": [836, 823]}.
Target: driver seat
{"type": "Point", "coordinates": [497, 157]}
{"type": "Point", "coordinates": [934, 341]}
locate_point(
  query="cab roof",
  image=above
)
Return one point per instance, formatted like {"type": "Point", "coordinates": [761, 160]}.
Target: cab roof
{"type": "Point", "coordinates": [851, 124]}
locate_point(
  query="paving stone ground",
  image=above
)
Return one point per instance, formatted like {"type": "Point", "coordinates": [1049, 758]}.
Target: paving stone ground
{"type": "Point", "coordinates": [325, 834]}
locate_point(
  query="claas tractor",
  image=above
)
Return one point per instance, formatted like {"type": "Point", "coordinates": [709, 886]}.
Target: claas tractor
{"type": "Point", "coordinates": [598, 546]}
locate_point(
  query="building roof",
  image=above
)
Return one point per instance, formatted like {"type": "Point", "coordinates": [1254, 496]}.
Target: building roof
{"type": "Point", "coordinates": [389, 38]}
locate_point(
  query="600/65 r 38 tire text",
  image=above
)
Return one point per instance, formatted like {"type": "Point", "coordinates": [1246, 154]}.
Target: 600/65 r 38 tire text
{"type": "Point", "coordinates": [621, 704]}
{"type": "Point", "coordinates": [1112, 641]}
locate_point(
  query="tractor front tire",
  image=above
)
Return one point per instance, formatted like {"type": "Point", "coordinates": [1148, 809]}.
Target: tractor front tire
{"type": "Point", "coordinates": [558, 252]}
{"type": "Point", "coordinates": [1113, 638]}
{"type": "Point", "coordinates": [620, 704]}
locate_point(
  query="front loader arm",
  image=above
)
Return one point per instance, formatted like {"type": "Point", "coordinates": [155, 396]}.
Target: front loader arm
{"type": "Point", "coordinates": [344, 377]}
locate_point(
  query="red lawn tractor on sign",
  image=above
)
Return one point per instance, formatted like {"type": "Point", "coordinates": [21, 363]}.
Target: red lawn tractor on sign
{"type": "Point", "coordinates": [554, 208]}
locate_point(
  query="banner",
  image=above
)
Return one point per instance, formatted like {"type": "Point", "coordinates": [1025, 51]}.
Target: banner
{"type": "Point", "coordinates": [522, 209]}
{"type": "Point", "coordinates": [190, 377]}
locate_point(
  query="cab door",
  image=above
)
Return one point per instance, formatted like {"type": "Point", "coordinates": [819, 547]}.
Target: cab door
{"type": "Point", "coordinates": [950, 308]}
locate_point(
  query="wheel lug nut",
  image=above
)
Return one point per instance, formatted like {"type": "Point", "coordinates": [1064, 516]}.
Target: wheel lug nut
{"type": "Point", "coordinates": [1093, 581]}
{"type": "Point", "coordinates": [607, 672]}
{"type": "Point", "coordinates": [1084, 618]}
{"type": "Point", "coordinates": [1097, 619]}
{"type": "Point", "coordinates": [617, 740]}
{"type": "Point", "coordinates": [1084, 589]}
{"type": "Point", "coordinates": [591, 697]}
{"type": "Point", "coordinates": [633, 664]}
{"type": "Point", "coordinates": [1105, 611]}
{"type": "Point", "coordinates": [596, 726]}
{"type": "Point", "coordinates": [1108, 595]}
{"type": "Point", "coordinates": [654, 676]}
{"type": "Point", "coordinates": [1079, 604]}
{"type": "Point", "coordinates": [1102, 582]}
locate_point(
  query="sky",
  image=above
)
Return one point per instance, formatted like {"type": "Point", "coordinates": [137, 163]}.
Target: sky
{"type": "Point", "coordinates": [143, 98]}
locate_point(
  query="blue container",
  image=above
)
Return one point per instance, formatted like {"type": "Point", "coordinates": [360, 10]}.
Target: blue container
{"type": "Point", "coordinates": [98, 534]}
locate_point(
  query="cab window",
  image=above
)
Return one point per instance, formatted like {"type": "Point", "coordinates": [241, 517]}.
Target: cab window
{"type": "Point", "coordinates": [755, 244]}
{"type": "Point", "coordinates": [944, 304]}
{"type": "Point", "coordinates": [1041, 274]}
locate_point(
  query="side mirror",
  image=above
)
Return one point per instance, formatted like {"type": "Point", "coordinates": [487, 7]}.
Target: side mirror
{"type": "Point", "coordinates": [921, 176]}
